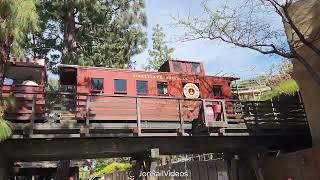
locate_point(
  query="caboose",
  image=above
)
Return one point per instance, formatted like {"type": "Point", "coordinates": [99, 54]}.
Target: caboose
{"type": "Point", "coordinates": [25, 82]}
{"type": "Point", "coordinates": [179, 95]}
{"type": "Point", "coordinates": [174, 79]}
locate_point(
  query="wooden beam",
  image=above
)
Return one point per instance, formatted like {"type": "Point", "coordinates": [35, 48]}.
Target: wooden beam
{"type": "Point", "coordinates": [83, 148]}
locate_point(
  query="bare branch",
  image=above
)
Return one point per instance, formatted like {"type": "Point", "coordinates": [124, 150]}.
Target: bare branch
{"type": "Point", "coordinates": [243, 27]}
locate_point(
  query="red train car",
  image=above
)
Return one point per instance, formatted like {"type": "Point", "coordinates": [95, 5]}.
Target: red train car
{"type": "Point", "coordinates": [174, 78]}
{"type": "Point", "coordinates": [25, 82]}
{"type": "Point", "coordinates": [175, 94]}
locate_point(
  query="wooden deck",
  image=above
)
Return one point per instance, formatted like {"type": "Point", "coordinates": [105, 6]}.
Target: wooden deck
{"type": "Point", "coordinates": [68, 115]}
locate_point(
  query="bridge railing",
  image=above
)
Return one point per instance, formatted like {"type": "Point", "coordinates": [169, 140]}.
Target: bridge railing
{"type": "Point", "coordinates": [149, 115]}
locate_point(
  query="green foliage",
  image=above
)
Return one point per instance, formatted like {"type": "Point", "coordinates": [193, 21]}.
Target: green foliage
{"type": "Point", "coordinates": [84, 174]}
{"type": "Point", "coordinates": [288, 87]}
{"type": "Point", "coordinates": [6, 102]}
{"type": "Point", "coordinates": [18, 18]}
{"type": "Point", "coordinates": [51, 89]}
{"type": "Point", "coordinates": [106, 33]}
{"type": "Point", "coordinates": [5, 126]}
{"type": "Point", "coordinates": [160, 52]}
{"type": "Point", "coordinates": [52, 85]}
{"type": "Point", "coordinates": [114, 166]}
{"type": "Point", "coordinates": [5, 129]}
{"type": "Point", "coordinates": [101, 163]}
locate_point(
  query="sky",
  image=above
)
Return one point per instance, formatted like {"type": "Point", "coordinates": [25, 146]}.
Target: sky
{"type": "Point", "coordinates": [218, 58]}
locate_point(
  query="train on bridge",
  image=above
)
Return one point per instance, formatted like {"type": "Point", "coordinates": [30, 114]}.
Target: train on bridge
{"type": "Point", "coordinates": [178, 100]}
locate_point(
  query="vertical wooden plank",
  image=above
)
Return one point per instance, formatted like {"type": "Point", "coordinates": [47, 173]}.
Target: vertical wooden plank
{"type": "Point", "coordinates": [180, 167]}
{"type": "Point", "coordinates": [193, 166]}
{"type": "Point", "coordinates": [114, 176]}
{"type": "Point", "coordinates": [222, 170]}
{"type": "Point", "coordinates": [138, 115]}
{"type": "Point", "coordinates": [181, 117]}
{"type": "Point", "coordinates": [203, 170]}
{"type": "Point", "coordinates": [212, 170]}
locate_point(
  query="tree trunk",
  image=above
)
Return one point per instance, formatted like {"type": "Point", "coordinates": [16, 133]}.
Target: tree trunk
{"type": "Point", "coordinates": [70, 33]}
{"type": "Point", "coordinates": [305, 15]}
{"type": "Point", "coordinates": [1, 76]}
{"type": "Point", "coordinates": [310, 92]}
{"type": "Point", "coordinates": [4, 56]}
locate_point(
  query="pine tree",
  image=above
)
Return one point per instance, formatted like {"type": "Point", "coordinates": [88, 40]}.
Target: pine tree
{"type": "Point", "coordinates": [93, 33]}
{"type": "Point", "coordinates": [160, 52]}
{"type": "Point", "coordinates": [17, 19]}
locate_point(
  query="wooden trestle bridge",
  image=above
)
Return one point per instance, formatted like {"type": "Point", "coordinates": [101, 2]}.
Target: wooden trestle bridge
{"type": "Point", "coordinates": [75, 126]}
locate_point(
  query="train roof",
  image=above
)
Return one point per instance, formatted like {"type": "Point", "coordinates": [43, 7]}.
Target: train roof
{"type": "Point", "coordinates": [28, 62]}
{"type": "Point", "coordinates": [141, 71]}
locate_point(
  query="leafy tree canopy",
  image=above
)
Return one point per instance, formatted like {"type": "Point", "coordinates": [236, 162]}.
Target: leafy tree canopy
{"type": "Point", "coordinates": [17, 18]}
{"type": "Point", "coordinates": [90, 32]}
{"type": "Point", "coordinates": [288, 87]}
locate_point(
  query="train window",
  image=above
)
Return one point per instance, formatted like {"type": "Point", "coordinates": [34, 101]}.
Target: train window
{"type": "Point", "coordinates": [217, 90]}
{"type": "Point", "coordinates": [96, 84]}
{"type": "Point", "coordinates": [162, 87]}
{"type": "Point", "coordinates": [142, 87]}
{"type": "Point", "coordinates": [195, 68]}
{"type": "Point", "coordinates": [120, 86]}
{"type": "Point", "coordinates": [177, 67]}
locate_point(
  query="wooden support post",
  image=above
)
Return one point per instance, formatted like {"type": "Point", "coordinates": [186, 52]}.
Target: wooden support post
{"type": "Point", "coordinates": [147, 162]}
{"type": "Point", "coordinates": [63, 170]}
{"type": "Point", "coordinates": [4, 168]}
{"type": "Point", "coordinates": [256, 167]}
{"type": "Point", "coordinates": [138, 115]}
{"type": "Point", "coordinates": [33, 115]}
{"type": "Point", "coordinates": [255, 111]}
{"type": "Point", "coordinates": [224, 111]}
{"type": "Point", "coordinates": [155, 156]}
{"type": "Point", "coordinates": [205, 112]}
{"type": "Point", "coordinates": [181, 130]}
{"type": "Point", "coordinates": [154, 162]}
{"type": "Point", "coordinates": [234, 168]}
{"type": "Point", "coordinates": [88, 116]}
{"type": "Point", "coordinates": [136, 169]}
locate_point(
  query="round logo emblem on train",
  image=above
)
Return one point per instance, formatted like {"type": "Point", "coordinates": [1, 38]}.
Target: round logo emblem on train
{"type": "Point", "coordinates": [191, 90]}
